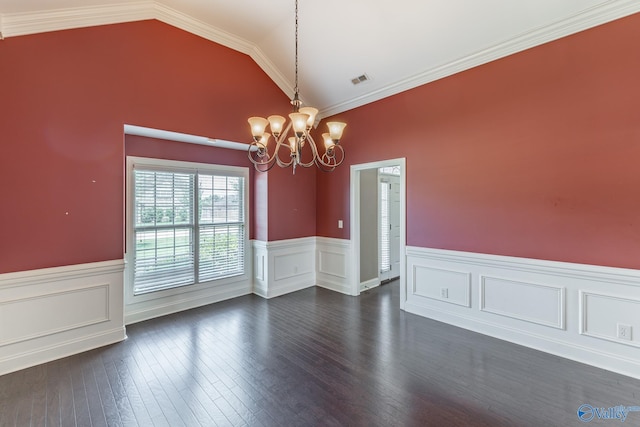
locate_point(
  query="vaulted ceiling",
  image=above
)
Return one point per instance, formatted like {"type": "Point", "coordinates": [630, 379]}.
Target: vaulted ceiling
{"type": "Point", "coordinates": [397, 44]}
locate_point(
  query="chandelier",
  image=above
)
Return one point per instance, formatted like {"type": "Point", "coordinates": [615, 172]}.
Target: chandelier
{"type": "Point", "coordinates": [301, 121]}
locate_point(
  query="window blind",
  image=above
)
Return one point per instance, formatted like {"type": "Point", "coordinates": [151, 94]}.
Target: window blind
{"type": "Point", "coordinates": [385, 227]}
{"type": "Point", "coordinates": [189, 227]}
{"type": "Point", "coordinates": [221, 226]}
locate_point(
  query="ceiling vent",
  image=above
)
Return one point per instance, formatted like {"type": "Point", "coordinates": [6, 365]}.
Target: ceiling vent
{"type": "Point", "coordinates": [360, 79]}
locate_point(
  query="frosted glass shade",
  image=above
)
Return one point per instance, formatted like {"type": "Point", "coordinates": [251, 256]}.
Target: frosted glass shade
{"type": "Point", "coordinates": [293, 144]}
{"type": "Point", "coordinates": [312, 112]}
{"type": "Point", "coordinates": [276, 123]}
{"type": "Point", "coordinates": [264, 140]}
{"type": "Point", "coordinates": [335, 130]}
{"type": "Point", "coordinates": [328, 142]}
{"type": "Point", "coordinates": [299, 122]}
{"type": "Point", "coordinates": [258, 125]}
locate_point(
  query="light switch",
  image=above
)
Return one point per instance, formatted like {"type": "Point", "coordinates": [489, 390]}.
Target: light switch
{"type": "Point", "coordinates": [340, 225]}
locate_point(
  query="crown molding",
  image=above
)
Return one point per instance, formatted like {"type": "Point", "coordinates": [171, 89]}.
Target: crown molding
{"type": "Point", "coordinates": [20, 24]}
{"type": "Point", "coordinates": [607, 12]}
{"type": "Point", "coordinates": [187, 23]}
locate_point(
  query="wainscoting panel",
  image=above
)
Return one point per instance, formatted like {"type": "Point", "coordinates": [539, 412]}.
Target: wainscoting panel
{"type": "Point", "coordinates": [287, 266]}
{"type": "Point", "coordinates": [586, 313]}
{"type": "Point", "coordinates": [529, 302]}
{"type": "Point", "coordinates": [91, 306]}
{"type": "Point", "coordinates": [55, 312]}
{"type": "Point", "coordinates": [292, 265]}
{"type": "Point", "coordinates": [441, 285]}
{"type": "Point", "coordinates": [333, 261]}
{"type": "Point", "coordinates": [602, 314]}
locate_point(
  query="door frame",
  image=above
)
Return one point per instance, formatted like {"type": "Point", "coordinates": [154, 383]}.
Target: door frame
{"type": "Point", "coordinates": [354, 220]}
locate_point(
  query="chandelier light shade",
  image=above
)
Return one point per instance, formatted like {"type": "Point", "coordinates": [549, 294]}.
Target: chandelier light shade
{"type": "Point", "coordinates": [290, 150]}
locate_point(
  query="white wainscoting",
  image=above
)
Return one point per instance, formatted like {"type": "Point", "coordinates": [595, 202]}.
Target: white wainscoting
{"type": "Point", "coordinates": [333, 262]}
{"type": "Point", "coordinates": [51, 313]}
{"type": "Point", "coordinates": [148, 306]}
{"type": "Point", "coordinates": [570, 310]}
{"type": "Point", "coordinates": [283, 266]}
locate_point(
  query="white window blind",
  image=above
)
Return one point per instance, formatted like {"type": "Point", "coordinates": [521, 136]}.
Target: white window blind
{"type": "Point", "coordinates": [221, 226]}
{"type": "Point", "coordinates": [385, 227]}
{"type": "Point", "coordinates": [188, 227]}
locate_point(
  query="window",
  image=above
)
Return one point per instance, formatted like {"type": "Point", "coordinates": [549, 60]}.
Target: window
{"type": "Point", "coordinates": [385, 227]}
{"type": "Point", "coordinates": [187, 222]}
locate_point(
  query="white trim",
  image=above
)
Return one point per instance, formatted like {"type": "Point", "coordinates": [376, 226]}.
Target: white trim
{"type": "Point", "coordinates": [369, 284]}
{"type": "Point", "coordinates": [20, 24]}
{"type": "Point", "coordinates": [17, 24]}
{"type": "Point", "coordinates": [46, 275]}
{"type": "Point", "coordinates": [184, 137]}
{"type": "Point", "coordinates": [354, 215]}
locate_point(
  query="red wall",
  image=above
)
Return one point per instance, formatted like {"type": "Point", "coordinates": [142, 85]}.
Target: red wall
{"type": "Point", "coordinates": [292, 203]}
{"type": "Point", "coordinates": [65, 97]}
{"type": "Point", "coordinates": [535, 155]}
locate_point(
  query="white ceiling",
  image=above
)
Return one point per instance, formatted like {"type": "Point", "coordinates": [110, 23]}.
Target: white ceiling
{"type": "Point", "coordinates": [399, 44]}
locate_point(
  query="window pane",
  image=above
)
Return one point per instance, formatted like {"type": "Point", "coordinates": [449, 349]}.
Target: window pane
{"type": "Point", "coordinates": [221, 251]}
{"type": "Point", "coordinates": [164, 259]}
{"type": "Point", "coordinates": [163, 222]}
{"type": "Point", "coordinates": [221, 199]}
{"type": "Point", "coordinates": [163, 198]}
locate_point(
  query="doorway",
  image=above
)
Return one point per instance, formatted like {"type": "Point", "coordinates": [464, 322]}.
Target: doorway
{"type": "Point", "coordinates": [366, 239]}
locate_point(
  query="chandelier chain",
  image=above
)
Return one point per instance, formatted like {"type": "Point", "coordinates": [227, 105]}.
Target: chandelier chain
{"type": "Point", "coordinates": [296, 86]}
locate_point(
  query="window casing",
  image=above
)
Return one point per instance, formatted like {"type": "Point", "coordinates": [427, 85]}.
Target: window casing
{"type": "Point", "coordinates": [187, 222]}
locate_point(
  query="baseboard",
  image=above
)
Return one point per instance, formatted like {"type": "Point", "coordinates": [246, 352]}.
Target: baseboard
{"type": "Point", "coordinates": [60, 350]}
{"type": "Point", "coordinates": [186, 301]}
{"type": "Point", "coordinates": [369, 284]}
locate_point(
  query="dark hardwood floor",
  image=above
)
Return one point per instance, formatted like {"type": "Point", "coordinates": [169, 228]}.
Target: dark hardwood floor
{"type": "Point", "coordinates": [311, 358]}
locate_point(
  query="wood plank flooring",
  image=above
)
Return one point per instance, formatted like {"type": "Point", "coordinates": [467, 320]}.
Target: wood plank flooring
{"type": "Point", "coordinates": [311, 358]}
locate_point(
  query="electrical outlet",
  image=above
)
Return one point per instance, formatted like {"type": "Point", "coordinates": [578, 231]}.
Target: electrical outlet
{"type": "Point", "coordinates": [444, 292]}
{"type": "Point", "coordinates": [340, 224]}
{"type": "Point", "coordinates": [624, 331]}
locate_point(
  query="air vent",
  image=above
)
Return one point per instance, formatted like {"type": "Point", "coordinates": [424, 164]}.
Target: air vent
{"type": "Point", "coordinates": [360, 79]}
